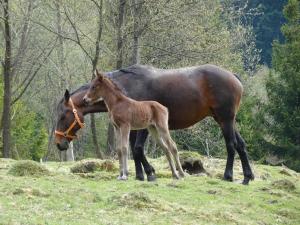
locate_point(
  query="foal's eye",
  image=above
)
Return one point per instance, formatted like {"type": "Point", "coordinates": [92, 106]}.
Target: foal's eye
{"type": "Point", "coordinates": [93, 87]}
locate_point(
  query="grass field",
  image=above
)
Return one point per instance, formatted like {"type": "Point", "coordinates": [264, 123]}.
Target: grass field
{"type": "Point", "coordinates": [62, 197]}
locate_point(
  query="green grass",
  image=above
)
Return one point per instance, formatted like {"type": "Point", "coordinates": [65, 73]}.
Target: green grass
{"type": "Point", "coordinates": [98, 198]}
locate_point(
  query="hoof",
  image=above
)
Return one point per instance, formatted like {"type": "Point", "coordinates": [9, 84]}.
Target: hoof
{"type": "Point", "coordinates": [140, 177]}
{"type": "Point", "coordinates": [228, 178]}
{"type": "Point", "coordinates": [182, 175]}
{"type": "Point", "coordinates": [124, 177]}
{"type": "Point", "coordinates": [176, 176]}
{"type": "Point", "coordinates": [247, 179]}
{"type": "Point", "coordinates": [151, 177]}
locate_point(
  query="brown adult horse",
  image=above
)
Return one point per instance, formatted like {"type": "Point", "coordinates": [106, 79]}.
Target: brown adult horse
{"type": "Point", "coordinates": [190, 94]}
{"type": "Point", "coordinates": [127, 114]}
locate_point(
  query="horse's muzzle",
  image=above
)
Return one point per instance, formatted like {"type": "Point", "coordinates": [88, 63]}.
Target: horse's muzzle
{"type": "Point", "coordinates": [63, 145]}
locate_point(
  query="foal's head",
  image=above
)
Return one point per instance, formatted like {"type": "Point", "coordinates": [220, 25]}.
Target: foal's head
{"type": "Point", "coordinates": [100, 85]}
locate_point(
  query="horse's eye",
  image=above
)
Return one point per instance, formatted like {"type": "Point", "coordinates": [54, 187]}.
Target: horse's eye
{"type": "Point", "coordinates": [93, 87]}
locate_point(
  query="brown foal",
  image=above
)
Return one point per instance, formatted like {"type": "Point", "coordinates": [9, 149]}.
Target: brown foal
{"type": "Point", "coordinates": [127, 114]}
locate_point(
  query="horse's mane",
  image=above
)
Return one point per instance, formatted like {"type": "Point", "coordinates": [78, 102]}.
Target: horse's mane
{"type": "Point", "coordinates": [138, 69]}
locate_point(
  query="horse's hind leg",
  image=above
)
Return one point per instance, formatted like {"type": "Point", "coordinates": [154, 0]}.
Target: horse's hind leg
{"type": "Point", "coordinates": [160, 141]}
{"type": "Point", "coordinates": [139, 152]}
{"type": "Point", "coordinates": [230, 140]}
{"type": "Point", "coordinates": [241, 149]}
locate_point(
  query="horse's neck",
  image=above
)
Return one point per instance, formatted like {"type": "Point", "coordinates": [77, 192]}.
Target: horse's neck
{"type": "Point", "coordinates": [86, 109]}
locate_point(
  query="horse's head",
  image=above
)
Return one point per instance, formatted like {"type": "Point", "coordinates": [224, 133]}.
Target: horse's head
{"type": "Point", "coordinates": [70, 120]}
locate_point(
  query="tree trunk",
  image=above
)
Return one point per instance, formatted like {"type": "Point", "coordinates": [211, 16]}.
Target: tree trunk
{"type": "Point", "coordinates": [136, 9]}
{"type": "Point", "coordinates": [120, 40]}
{"type": "Point", "coordinates": [110, 132]}
{"type": "Point", "coordinates": [94, 62]}
{"type": "Point", "coordinates": [69, 153]}
{"type": "Point", "coordinates": [6, 123]}
{"type": "Point", "coordinates": [110, 149]}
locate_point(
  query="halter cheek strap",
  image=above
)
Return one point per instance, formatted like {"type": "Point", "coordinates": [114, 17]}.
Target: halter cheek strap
{"type": "Point", "coordinates": [77, 120]}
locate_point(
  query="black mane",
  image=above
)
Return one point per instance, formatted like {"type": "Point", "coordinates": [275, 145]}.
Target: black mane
{"type": "Point", "coordinates": [138, 69]}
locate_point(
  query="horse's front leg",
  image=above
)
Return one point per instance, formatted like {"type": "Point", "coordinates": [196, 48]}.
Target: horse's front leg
{"type": "Point", "coordinates": [139, 155]}
{"type": "Point", "coordinates": [125, 130]}
{"type": "Point", "coordinates": [139, 172]}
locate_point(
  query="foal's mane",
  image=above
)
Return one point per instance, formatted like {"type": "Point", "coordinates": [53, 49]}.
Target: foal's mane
{"type": "Point", "coordinates": [115, 85]}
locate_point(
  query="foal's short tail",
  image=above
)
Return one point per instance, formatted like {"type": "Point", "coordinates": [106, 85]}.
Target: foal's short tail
{"type": "Point", "coordinates": [160, 114]}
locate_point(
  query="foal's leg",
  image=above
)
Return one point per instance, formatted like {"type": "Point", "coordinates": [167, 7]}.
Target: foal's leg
{"type": "Point", "coordinates": [119, 151]}
{"type": "Point", "coordinates": [241, 149]}
{"type": "Point", "coordinates": [163, 145]}
{"type": "Point", "coordinates": [124, 148]}
{"type": "Point", "coordinates": [165, 134]}
{"type": "Point", "coordinates": [139, 152]}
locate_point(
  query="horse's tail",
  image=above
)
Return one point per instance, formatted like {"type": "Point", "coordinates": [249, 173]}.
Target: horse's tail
{"type": "Point", "coordinates": [238, 77]}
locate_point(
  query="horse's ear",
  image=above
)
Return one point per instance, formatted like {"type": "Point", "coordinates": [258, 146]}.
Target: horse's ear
{"type": "Point", "coordinates": [67, 95]}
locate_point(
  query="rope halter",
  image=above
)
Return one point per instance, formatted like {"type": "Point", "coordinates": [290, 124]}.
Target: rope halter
{"type": "Point", "coordinates": [76, 120]}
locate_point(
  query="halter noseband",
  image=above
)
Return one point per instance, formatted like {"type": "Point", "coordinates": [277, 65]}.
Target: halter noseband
{"type": "Point", "coordinates": [76, 120]}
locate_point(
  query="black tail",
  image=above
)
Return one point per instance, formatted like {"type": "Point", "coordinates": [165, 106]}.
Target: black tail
{"type": "Point", "coordinates": [238, 77]}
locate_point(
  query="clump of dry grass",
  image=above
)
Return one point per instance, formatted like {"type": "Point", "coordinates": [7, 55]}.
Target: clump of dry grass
{"type": "Point", "coordinates": [92, 165]}
{"type": "Point", "coordinates": [28, 168]}
{"type": "Point", "coordinates": [284, 184]}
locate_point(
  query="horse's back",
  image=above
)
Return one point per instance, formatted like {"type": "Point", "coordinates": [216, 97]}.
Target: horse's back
{"type": "Point", "coordinates": [190, 93]}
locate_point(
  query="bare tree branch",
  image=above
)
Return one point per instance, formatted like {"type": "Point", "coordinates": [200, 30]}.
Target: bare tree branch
{"type": "Point", "coordinates": [22, 47]}
{"type": "Point", "coordinates": [64, 37]}
{"type": "Point", "coordinates": [77, 35]}
{"type": "Point", "coordinates": [33, 75]}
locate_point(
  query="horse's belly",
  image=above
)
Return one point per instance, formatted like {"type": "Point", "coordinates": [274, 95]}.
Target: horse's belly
{"type": "Point", "coordinates": [187, 117]}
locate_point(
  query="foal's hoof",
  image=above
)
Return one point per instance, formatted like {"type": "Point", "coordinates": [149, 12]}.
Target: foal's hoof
{"type": "Point", "coordinates": [124, 177]}
{"type": "Point", "coordinates": [151, 177]}
{"type": "Point", "coordinates": [176, 177]}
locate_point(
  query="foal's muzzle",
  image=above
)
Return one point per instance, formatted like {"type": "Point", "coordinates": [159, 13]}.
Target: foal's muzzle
{"type": "Point", "coordinates": [86, 100]}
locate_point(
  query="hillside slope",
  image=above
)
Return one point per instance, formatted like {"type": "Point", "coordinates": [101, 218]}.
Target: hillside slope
{"type": "Point", "coordinates": [98, 198]}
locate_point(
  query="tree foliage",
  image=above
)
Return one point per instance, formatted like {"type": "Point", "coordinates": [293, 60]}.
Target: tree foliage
{"type": "Point", "coordinates": [284, 89]}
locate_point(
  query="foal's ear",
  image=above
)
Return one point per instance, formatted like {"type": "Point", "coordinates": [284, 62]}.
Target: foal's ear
{"type": "Point", "coordinates": [99, 75]}
{"type": "Point", "coordinates": [67, 95]}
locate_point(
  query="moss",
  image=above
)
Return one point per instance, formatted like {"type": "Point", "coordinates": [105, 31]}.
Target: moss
{"type": "Point", "coordinates": [28, 168]}
{"type": "Point", "coordinates": [191, 162]}
{"type": "Point", "coordinates": [184, 155]}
